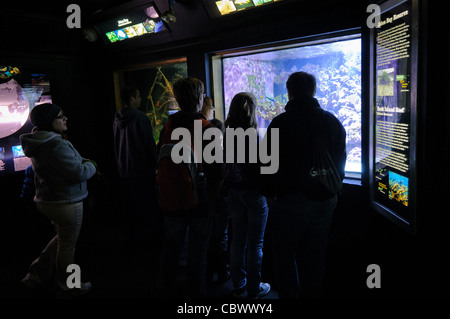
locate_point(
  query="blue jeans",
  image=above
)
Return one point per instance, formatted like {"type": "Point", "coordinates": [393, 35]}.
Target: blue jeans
{"type": "Point", "coordinates": [300, 229]}
{"type": "Point", "coordinates": [198, 240]}
{"type": "Point", "coordinates": [249, 213]}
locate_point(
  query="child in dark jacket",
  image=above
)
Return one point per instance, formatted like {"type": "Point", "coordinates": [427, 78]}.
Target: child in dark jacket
{"type": "Point", "coordinates": [183, 215]}
{"type": "Point", "coordinates": [248, 207]}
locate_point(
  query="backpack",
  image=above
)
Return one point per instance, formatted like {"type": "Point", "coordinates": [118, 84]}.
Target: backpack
{"type": "Point", "coordinates": [322, 178]}
{"type": "Point", "coordinates": [181, 186]}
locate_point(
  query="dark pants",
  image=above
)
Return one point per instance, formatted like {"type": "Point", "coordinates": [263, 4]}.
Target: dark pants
{"type": "Point", "coordinates": [300, 229]}
{"type": "Point", "coordinates": [139, 208]}
{"type": "Point", "coordinates": [218, 254]}
{"type": "Point", "coordinates": [198, 236]}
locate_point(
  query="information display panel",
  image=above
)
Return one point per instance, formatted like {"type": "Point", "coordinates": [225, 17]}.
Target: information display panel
{"type": "Point", "coordinates": [20, 92]}
{"type": "Point", "coordinates": [393, 139]}
{"type": "Point", "coordinates": [134, 23]}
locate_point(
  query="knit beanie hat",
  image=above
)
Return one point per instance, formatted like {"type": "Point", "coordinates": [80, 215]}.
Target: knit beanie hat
{"type": "Point", "coordinates": [42, 115]}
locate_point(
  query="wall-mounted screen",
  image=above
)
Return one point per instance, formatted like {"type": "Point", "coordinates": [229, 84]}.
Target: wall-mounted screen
{"type": "Point", "coordinates": [394, 109]}
{"type": "Point", "coordinates": [336, 64]}
{"type": "Point", "coordinates": [154, 83]}
{"type": "Point", "coordinates": [19, 93]}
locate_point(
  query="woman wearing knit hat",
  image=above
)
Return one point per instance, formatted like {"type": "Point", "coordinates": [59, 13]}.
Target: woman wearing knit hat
{"type": "Point", "coordinates": [60, 180]}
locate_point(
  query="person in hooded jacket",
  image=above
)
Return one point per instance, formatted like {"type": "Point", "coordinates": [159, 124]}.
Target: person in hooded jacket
{"type": "Point", "coordinates": [60, 175]}
{"type": "Point", "coordinates": [135, 153]}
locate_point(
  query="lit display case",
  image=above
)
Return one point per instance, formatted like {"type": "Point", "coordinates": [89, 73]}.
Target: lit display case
{"type": "Point", "coordinates": [393, 136]}
{"type": "Point", "coordinates": [20, 92]}
{"type": "Point", "coordinates": [154, 82]}
{"type": "Point", "coordinates": [334, 61]}
{"type": "Point", "coordinates": [138, 22]}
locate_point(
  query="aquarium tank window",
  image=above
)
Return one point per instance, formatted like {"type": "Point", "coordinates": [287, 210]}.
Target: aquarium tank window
{"type": "Point", "coordinates": [336, 66]}
{"type": "Point", "coordinates": [155, 85]}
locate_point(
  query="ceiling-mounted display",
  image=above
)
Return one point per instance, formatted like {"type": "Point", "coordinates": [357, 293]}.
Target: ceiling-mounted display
{"type": "Point", "coordinates": [224, 7]}
{"type": "Point", "coordinates": [139, 22]}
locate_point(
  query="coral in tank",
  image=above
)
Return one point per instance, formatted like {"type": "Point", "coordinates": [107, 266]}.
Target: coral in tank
{"type": "Point", "coordinates": [337, 68]}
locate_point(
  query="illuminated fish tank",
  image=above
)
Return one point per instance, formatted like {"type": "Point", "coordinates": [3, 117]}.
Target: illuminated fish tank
{"type": "Point", "coordinates": [155, 84]}
{"type": "Point", "coordinates": [336, 66]}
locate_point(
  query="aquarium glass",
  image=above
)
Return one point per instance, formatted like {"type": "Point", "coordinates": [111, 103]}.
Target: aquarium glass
{"type": "Point", "coordinates": [155, 85]}
{"type": "Point", "coordinates": [336, 66]}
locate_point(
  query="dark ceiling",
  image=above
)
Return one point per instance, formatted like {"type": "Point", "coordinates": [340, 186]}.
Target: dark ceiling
{"type": "Point", "coordinates": [40, 26]}
{"type": "Point", "coordinates": [57, 8]}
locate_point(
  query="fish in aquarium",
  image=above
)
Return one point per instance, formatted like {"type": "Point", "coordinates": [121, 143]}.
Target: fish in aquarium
{"type": "Point", "coordinates": [336, 66]}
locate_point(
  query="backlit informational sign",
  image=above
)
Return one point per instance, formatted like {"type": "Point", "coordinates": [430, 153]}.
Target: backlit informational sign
{"type": "Point", "coordinates": [230, 6]}
{"type": "Point", "coordinates": [143, 21]}
{"type": "Point", "coordinates": [393, 176]}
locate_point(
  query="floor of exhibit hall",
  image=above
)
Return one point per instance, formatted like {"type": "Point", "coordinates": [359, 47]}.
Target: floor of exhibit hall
{"type": "Point", "coordinates": [117, 271]}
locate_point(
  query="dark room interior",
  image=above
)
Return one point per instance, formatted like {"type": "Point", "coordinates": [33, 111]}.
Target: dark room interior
{"type": "Point", "coordinates": [85, 69]}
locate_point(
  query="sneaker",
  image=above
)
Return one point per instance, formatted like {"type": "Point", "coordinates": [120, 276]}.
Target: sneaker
{"type": "Point", "coordinates": [240, 293]}
{"type": "Point", "coordinates": [223, 276]}
{"type": "Point", "coordinates": [264, 289]}
{"type": "Point", "coordinates": [75, 292]}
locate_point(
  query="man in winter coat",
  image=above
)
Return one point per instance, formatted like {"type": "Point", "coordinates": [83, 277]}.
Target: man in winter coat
{"type": "Point", "coordinates": [135, 153]}
{"type": "Point", "coordinates": [301, 223]}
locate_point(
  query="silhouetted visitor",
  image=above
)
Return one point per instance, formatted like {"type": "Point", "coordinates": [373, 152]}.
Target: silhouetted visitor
{"type": "Point", "coordinates": [300, 225]}
{"type": "Point", "coordinates": [208, 108]}
{"type": "Point", "coordinates": [135, 153]}
{"type": "Point", "coordinates": [28, 190]}
{"type": "Point", "coordinates": [248, 207]}
{"type": "Point", "coordinates": [60, 181]}
{"type": "Point", "coordinates": [181, 214]}
{"type": "Point", "coordinates": [218, 254]}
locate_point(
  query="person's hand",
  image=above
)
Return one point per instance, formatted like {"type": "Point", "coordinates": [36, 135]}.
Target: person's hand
{"type": "Point", "coordinates": [95, 165]}
{"type": "Point", "coordinates": [91, 161]}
